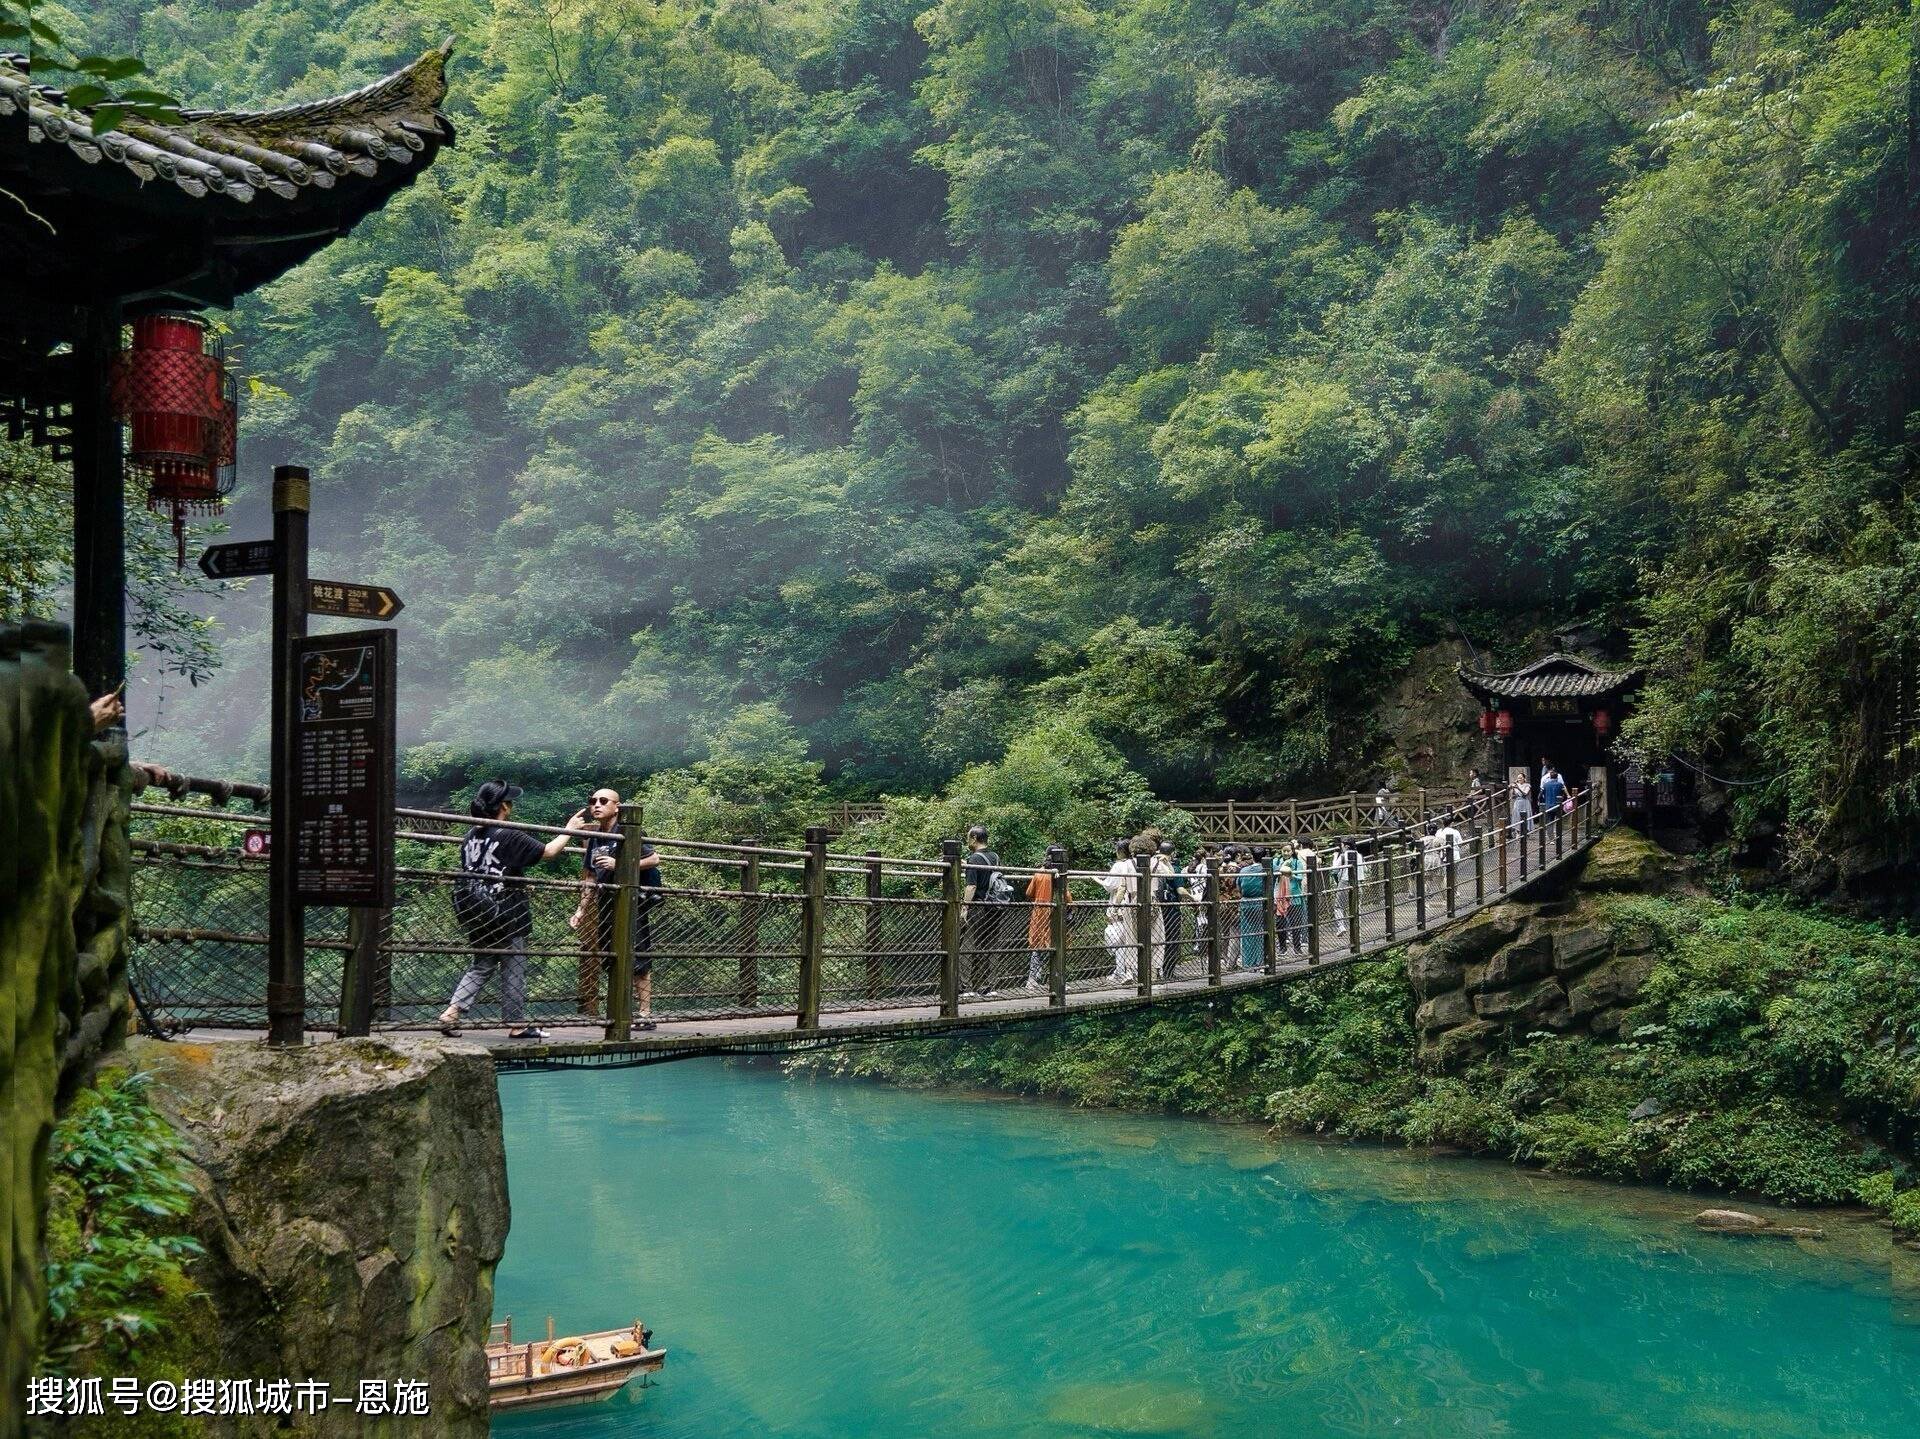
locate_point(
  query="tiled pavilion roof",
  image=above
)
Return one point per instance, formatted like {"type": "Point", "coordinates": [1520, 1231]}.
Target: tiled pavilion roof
{"type": "Point", "coordinates": [193, 213]}
{"type": "Point", "coordinates": [243, 154]}
{"type": "Point", "coordinates": [1558, 676]}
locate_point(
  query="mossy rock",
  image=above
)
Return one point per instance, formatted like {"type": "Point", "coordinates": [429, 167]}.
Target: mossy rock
{"type": "Point", "coordinates": [1625, 861]}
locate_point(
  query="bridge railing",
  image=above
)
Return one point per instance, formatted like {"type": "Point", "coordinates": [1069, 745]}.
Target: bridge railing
{"type": "Point", "coordinates": [733, 931]}
{"type": "Point", "coordinates": [1278, 821]}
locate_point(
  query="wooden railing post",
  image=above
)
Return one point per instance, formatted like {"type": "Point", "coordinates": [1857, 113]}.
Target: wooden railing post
{"type": "Point", "coordinates": [1269, 936]}
{"type": "Point", "coordinates": [1423, 806]}
{"type": "Point", "coordinates": [1540, 830]}
{"type": "Point", "coordinates": [1579, 808]}
{"type": "Point", "coordinates": [1143, 918]}
{"type": "Point", "coordinates": [813, 927]}
{"type": "Point", "coordinates": [1057, 981]}
{"type": "Point", "coordinates": [950, 892]}
{"type": "Point", "coordinates": [750, 907]}
{"type": "Point", "coordinates": [1355, 889]}
{"type": "Point", "coordinates": [1559, 834]}
{"type": "Point", "coordinates": [1386, 883]}
{"type": "Point", "coordinates": [1293, 819]}
{"type": "Point", "coordinates": [1312, 898]}
{"type": "Point", "coordinates": [1419, 859]}
{"type": "Point", "coordinates": [364, 928]}
{"type": "Point", "coordinates": [875, 928]}
{"type": "Point", "coordinates": [626, 897]}
{"type": "Point", "coordinates": [1452, 860]}
{"type": "Point", "coordinates": [1479, 863]}
{"type": "Point", "coordinates": [1215, 910]}
{"type": "Point", "coordinates": [1233, 830]}
{"type": "Point", "coordinates": [1506, 827]}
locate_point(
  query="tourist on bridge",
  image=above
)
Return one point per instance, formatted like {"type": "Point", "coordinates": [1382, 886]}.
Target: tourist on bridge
{"type": "Point", "coordinates": [1290, 898]}
{"type": "Point", "coordinates": [592, 918]}
{"type": "Point", "coordinates": [1197, 897]}
{"type": "Point", "coordinates": [1039, 928]}
{"type": "Point", "coordinates": [1252, 882]}
{"type": "Point", "coordinates": [1383, 815]}
{"type": "Point", "coordinates": [1553, 793]}
{"type": "Point", "coordinates": [1345, 870]}
{"type": "Point", "coordinates": [492, 909]}
{"type": "Point", "coordinates": [987, 895]}
{"type": "Point", "coordinates": [1522, 805]}
{"type": "Point", "coordinates": [1123, 924]}
{"type": "Point", "coordinates": [1169, 890]}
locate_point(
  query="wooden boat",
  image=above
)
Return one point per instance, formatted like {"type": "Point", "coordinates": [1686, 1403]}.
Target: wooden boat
{"type": "Point", "coordinates": [576, 1369]}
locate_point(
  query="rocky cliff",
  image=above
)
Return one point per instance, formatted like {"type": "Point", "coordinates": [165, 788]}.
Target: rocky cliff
{"type": "Point", "coordinates": [1549, 961]}
{"type": "Point", "coordinates": [352, 1199]}
{"type": "Point", "coordinates": [63, 943]}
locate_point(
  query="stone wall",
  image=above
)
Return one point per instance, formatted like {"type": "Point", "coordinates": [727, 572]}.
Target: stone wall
{"type": "Point", "coordinates": [1551, 959]}
{"type": "Point", "coordinates": [63, 942]}
{"type": "Point", "coordinates": [353, 1205]}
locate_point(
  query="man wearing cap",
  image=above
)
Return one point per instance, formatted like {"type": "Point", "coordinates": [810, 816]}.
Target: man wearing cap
{"type": "Point", "coordinates": [493, 911]}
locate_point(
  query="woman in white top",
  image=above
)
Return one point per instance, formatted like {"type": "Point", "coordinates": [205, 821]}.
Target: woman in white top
{"type": "Point", "coordinates": [1123, 910]}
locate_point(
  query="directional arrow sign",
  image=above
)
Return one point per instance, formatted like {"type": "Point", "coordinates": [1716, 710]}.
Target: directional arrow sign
{"type": "Point", "coordinates": [351, 601]}
{"type": "Point", "coordinates": [230, 562]}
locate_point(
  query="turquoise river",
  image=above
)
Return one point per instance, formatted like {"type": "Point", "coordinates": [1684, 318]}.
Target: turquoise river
{"type": "Point", "coordinates": [839, 1261]}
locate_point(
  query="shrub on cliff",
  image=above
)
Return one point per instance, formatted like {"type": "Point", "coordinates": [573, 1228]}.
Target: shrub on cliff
{"type": "Point", "coordinates": [119, 1298]}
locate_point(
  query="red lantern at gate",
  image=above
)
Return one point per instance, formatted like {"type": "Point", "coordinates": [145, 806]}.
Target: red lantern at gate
{"type": "Point", "coordinates": [1486, 721]}
{"type": "Point", "coordinates": [172, 388]}
{"type": "Point", "coordinates": [1602, 723]}
{"type": "Point", "coordinates": [1503, 723]}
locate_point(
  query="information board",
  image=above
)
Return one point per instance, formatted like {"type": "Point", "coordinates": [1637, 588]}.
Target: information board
{"type": "Point", "coordinates": [343, 758]}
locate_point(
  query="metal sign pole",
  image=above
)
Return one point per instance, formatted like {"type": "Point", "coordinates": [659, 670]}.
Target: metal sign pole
{"type": "Point", "coordinates": [286, 920]}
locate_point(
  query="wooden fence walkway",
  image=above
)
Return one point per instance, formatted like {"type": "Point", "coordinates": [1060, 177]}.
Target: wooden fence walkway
{"type": "Point", "coordinates": [750, 949]}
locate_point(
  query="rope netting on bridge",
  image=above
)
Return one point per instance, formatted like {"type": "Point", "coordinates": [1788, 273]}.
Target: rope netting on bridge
{"type": "Point", "coordinates": [737, 931]}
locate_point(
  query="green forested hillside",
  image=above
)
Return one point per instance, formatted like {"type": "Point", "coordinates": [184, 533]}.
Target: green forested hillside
{"type": "Point", "coordinates": [1180, 364]}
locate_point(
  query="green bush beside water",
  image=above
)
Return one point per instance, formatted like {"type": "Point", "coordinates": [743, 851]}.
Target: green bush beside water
{"type": "Point", "coordinates": [1780, 1048]}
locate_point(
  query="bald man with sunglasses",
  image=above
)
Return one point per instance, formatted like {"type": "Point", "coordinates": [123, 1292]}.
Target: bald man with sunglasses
{"type": "Point", "coordinates": [592, 919]}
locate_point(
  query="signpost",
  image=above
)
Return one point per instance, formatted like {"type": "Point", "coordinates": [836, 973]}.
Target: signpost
{"type": "Point", "coordinates": [352, 601]}
{"type": "Point", "coordinates": [332, 753]}
{"type": "Point", "coordinates": [238, 560]}
{"type": "Point", "coordinates": [343, 758]}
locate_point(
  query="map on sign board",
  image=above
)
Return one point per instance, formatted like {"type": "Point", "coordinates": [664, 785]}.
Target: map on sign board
{"type": "Point", "coordinates": [343, 757]}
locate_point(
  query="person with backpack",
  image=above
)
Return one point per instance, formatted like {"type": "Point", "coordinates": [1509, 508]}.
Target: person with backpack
{"type": "Point", "coordinates": [492, 910]}
{"type": "Point", "coordinates": [987, 896]}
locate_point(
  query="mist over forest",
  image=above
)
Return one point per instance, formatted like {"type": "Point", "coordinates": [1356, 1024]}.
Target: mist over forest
{"type": "Point", "coordinates": [893, 382]}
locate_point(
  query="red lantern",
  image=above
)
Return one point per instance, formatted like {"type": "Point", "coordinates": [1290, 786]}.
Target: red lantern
{"type": "Point", "coordinates": [172, 388]}
{"type": "Point", "coordinates": [1503, 723]}
{"type": "Point", "coordinates": [1486, 721]}
{"type": "Point", "coordinates": [1602, 722]}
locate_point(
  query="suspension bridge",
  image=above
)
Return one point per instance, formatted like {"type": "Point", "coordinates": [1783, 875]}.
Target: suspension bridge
{"type": "Point", "coordinates": [756, 949]}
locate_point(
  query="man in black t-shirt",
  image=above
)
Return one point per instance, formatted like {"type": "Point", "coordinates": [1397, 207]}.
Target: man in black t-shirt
{"type": "Point", "coordinates": [986, 893]}
{"type": "Point", "coordinates": [493, 910]}
{"type": "Point", "coordinates": [593, 919]}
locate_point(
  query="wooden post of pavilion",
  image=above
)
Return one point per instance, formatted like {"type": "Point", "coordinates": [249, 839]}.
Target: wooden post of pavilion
{"type": "Point", "coordinates": [99, 508]}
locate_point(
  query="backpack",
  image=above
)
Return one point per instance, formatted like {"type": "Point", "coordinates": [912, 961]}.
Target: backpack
{"type": "Point", "coordinates": [479, 893]}
{"type": "Point", "coordinates": [996, 890]}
